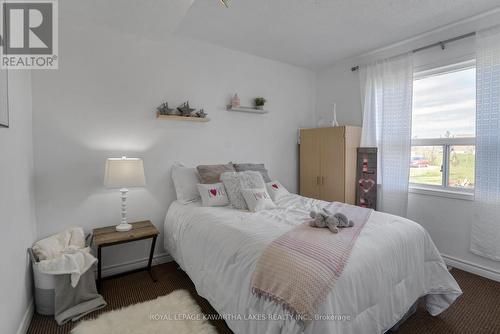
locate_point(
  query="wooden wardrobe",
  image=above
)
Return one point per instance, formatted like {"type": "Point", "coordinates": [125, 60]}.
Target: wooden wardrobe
{"type": "Point", "coordinates": [328, 163]}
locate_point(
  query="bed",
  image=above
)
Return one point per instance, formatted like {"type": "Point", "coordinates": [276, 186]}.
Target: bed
{"type": "Point", "coordinates": [393, 263]}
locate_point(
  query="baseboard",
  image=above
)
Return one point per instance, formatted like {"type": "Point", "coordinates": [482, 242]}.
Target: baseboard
{"type": "Point", "coordinates": [472, 268]}
{"type": "Point", "coordinates": [134, 264]}
{"type": "Point", "coordinates": [26, 320]}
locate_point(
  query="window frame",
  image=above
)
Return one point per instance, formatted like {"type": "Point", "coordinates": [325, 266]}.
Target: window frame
{"type": "Point", "coordinates": [443, 190]}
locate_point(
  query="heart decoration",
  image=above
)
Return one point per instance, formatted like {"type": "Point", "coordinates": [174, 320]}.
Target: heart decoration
{"type": "Point", "coordinates": [366, 184]}
{"type": "Point", "coordinates": [213, 191]}
{"type": "Point", "coordinates": [275, 186]}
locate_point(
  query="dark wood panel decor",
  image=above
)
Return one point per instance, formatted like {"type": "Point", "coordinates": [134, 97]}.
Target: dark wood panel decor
{"type": "Point", "coordinates": [366, 176]}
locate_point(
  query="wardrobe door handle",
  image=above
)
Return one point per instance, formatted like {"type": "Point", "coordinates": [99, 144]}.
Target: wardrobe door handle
{"type": "Point", "coordinates": [317, 181]}
{"type": "Point", "coordinates": [322, 180]}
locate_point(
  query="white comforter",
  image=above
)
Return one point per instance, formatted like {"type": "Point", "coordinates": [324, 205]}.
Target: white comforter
{"type": "Point", "coordinates": [392, 264]}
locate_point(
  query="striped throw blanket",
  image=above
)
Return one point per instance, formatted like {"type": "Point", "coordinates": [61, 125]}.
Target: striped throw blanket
{"type": "Point", "coordinates": [299, 269]}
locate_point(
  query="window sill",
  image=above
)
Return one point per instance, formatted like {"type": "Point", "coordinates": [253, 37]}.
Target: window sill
{"type": "Point", "coordinates": [462, 195]}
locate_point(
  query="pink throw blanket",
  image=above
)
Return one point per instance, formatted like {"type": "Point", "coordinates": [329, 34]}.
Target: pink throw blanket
{"type": "Point", "coordinates": [299, 269]}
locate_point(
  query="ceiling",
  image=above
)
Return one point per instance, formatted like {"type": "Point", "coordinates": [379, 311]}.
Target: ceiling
{"type": "Point", "coordinates": [309, 33]}
{"type": "Point", "coordinates": [316, 33]}
{"type": "Point", "coordinates": [152, 19]}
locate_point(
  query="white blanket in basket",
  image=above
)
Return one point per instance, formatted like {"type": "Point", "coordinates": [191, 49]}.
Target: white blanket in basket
{"type": "Point", "coordinates": [64, 253]}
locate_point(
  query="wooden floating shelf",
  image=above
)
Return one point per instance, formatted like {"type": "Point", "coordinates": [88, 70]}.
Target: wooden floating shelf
{"type": "Point", "coordinates": [248, 109]}
{"type": "Point", "coordinates": [182, 118]}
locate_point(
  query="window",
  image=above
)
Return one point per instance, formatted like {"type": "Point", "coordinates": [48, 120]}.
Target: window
{"type": "Point", "coordinates": [443, 128]}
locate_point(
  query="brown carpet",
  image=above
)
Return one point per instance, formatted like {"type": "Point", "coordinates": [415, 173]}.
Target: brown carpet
{"type": "Point", "coordinates": [476, 311]}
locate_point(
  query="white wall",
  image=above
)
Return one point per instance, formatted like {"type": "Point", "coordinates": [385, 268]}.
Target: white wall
{"type": "Point", "coordinates": [338, 84]}
{"type": "Point", "coordinates": [101, 103]}
{"type": "Point", "coordinates": [447, 220]}
{"type": "Point", "coordinates": [17, 216]}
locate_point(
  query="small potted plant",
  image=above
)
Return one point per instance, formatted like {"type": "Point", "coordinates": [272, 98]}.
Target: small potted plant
{"type": "Point", "coordinates": [259, 103]}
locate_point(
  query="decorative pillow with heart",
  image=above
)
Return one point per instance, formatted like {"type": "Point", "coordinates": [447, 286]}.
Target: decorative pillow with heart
{"type": "Point", "coordinates": [235, 181]}
{"type": "Point", "coordinates": [276, 190]}
{"type": "Point", "coordinates": [213, 194]}
{"type": "Point", "coordinates": [257, 199]}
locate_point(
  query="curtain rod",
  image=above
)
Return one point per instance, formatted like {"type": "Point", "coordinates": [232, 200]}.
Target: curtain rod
{"type": "Point", "coordinates": [442, 44]}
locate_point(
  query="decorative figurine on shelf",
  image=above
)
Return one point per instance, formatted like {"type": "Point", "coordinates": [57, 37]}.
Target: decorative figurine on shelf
{"type": "Point", "coordinates": [235, 101]}
{"type": "Point", "coordinates": [334, 122]}
{"type": "Point", "coordinates": [163, 109]}
{"type": "Point", "coordinates": [201, 113]}
{"type": "Point", "coordinates": [259, 103]}
{"type": "Point", "coordinates": [185, 110]}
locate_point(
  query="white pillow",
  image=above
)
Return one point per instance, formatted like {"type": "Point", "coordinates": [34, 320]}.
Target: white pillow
{"type": "Point", "coordinates": [185, 180]}
{"type": "Point", "coordinates": [257, 199]}
{"type": "Point", "coordinates": [235, 181]}
{"type": "Point", "coordinates": [276, 190]}
{"type": "Point", "coordinates": [213, 194]}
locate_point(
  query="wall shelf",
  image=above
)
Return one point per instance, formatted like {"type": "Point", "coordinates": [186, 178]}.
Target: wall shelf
{"type": "Point", "coordinates": [248, 109]}
{"type": "Point", "coordinates": [182, 118]}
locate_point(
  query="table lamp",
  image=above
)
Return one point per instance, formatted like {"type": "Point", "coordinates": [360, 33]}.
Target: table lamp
{"type": "Point", "coordinates": [124, 173]}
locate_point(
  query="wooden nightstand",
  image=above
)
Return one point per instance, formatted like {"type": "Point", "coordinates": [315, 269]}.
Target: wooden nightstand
{"type": "Point", "coordinates": [108, 236]}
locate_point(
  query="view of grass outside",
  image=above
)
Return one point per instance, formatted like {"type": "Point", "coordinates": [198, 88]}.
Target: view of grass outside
{"type": "Point", "coordinates": [462, 161]}
{"type": "Point", "coordinates": [426, 164]}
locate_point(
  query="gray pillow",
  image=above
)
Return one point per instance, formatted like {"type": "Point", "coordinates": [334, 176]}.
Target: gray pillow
{"type": "Point", "coordinates": [211, 173]}
{"type": "Point", "coordinates": [255, 167]}
{"type": "Point", "coordinates": [235, 181]}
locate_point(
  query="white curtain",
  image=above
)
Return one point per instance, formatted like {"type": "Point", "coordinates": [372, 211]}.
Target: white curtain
{"type": "Point", "coordinates": [485, 233]}
{"type": "Point", "coordinates": [387, 90]}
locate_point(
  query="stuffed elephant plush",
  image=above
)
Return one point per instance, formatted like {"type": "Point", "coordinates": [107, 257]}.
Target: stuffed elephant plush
{"type": "Point", "coordinates": [324, 218]}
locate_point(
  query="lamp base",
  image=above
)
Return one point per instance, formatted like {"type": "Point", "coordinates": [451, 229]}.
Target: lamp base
{"type": "Point", "coordinates": [123, 227]}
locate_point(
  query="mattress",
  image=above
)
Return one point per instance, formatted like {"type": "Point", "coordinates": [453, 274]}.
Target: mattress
{"type": "Point", "coordinates": [392, 264]}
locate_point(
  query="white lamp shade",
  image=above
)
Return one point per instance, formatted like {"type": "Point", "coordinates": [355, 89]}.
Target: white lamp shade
{"type": "Point", "coordinates": [124, 173]}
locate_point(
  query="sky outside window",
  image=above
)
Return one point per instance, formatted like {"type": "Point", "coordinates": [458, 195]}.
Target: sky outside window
{"type": "Point", "coordinates": [444, 105]}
